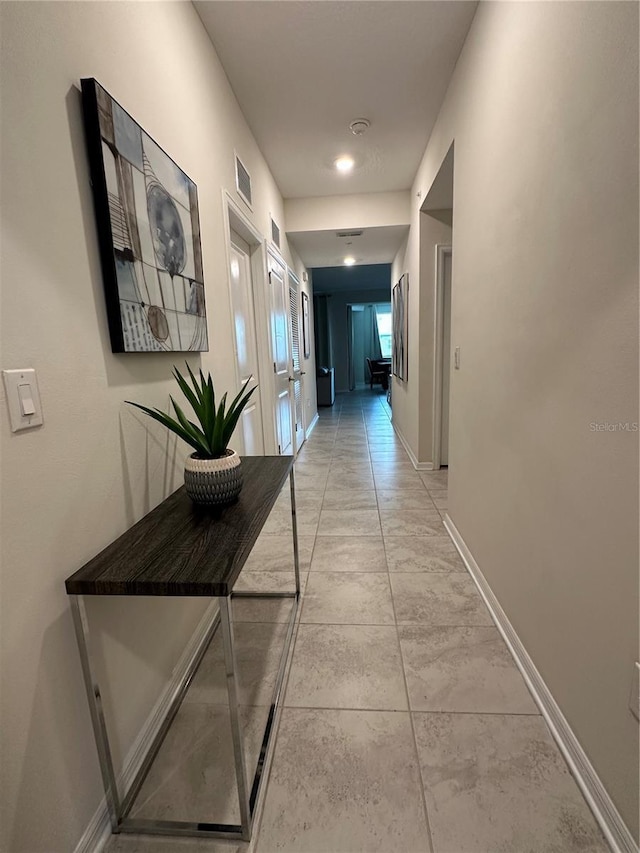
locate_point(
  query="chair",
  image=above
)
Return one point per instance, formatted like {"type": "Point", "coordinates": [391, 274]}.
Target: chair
{"type": "Point", "coordinates": [377, 373]}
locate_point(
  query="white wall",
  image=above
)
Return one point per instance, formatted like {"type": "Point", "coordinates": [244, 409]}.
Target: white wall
{"type": "Point", "coordinates": [331, 213]}
{"type": "Point", "coordinates": [95, 466]}
{"type": "Point", "coordinates": [543, 108]}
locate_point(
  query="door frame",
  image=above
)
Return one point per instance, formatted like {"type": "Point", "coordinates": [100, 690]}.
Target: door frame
{"type": "Point", "coordinates": [442, 250]}
{"type": "Point", "coordinates": [234, 217]}
{"type": "Point", "coordinates": [291, 276]}
{"type": "Point", "coordinates": [273, 255]}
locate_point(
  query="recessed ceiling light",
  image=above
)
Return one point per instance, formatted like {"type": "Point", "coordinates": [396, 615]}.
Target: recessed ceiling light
{"type": "Point", "coordinates": [345, 163]}
{"type": "Point", "coordinates": [349, 262]}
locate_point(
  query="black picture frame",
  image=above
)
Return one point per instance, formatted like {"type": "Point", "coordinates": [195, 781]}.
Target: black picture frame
{"type": "Point", "coordinates": [148, 226]}
{"type": "Point", "coordinates": [400, 328]}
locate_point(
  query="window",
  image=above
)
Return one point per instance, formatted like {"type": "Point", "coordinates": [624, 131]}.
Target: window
{"type": "Point", "coordinates": [383, 318]}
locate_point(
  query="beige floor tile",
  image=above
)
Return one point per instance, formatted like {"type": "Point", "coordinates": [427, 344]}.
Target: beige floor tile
{"type": "Point", "coordinates": [347, 666]}
{"type": "Point", "coordinates": [280, 521]}
{"type": "Point", "coordinates": [350, 499]}
{"type": "Point", "coordinates": [435, 479]}
{"type": "Point", "coordinates": [391, 464]}
{"type": "Point", "coordinates": [399, 499]}
{"type": "Point", "coordinates": [258, 647]}
{"type": "Point", "coordinates": [193, 775]}
{"type": "Point", "coordinates": [422, 554]}
{"type": "Point", "coordinates": [265, 609]}
{"type": "Point", "coordinates": [439, 497]}
{"type": "Point", "coordinates": [351, 454]}
{"type": "Point", "coordinates": [311, 482]}
{"type": "Point", "coordinates": [430, 598]}
{"type": "Point", "coordinates": [267, 581]}
{"type": "Point", "coordinates": [412, 522]}
{"type": "Point", "coordinates": [462, 669]}
{"type": "Point", "coordinates": [349, 598]}
{"type": "Point", "coordinates": [350, 467]}
{"type": "Point", "coordinates": [499, 783]}
{"type": "Point", "coordinates": [339, 480]}
{"type": "Point", "coordinates": [398, 480]}
{"type": "Point", "coordinates": [386, 453]}
{"type": "Point", "coordinates": [349, 522]}
{"type": "Point", "coordinates": [349, 554]}
{"type": "Point", "coordinates": [274, 552]}
{"type": "Point", "coordinates": [343, 782]}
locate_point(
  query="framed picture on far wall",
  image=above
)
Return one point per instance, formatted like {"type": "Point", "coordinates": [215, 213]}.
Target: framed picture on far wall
{"type": "Point", "coordinates": [400, 327]}
{"type": "Point", "coordinates": [306, 336]}
{"type": "Point", "coordinates": [148, 233]}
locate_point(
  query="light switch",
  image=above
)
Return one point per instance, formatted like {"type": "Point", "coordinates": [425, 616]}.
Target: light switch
{"type": "Point", "coordinates": [23, 398]}
{"type": "Point", "coordinates": [25, 395]}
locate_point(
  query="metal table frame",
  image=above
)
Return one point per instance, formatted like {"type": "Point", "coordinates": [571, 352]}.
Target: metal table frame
{"type": "Point", "coordinates": [119, 807]}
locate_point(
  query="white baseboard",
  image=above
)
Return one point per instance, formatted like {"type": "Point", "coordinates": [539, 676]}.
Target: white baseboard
{"type": "Point", "coordinates": [98, 832]}
{"type": "Point", "coordinates": [419, 466]}
{"type": "Point", "coordinates": [315, 420]}
{"type": "Point", "coordinates": [605, 812]}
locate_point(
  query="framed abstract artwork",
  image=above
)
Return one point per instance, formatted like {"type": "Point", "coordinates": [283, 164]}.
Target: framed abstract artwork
{"type": "Point", "coordinates": [400, 328]}
{"type": "Point", "coordinates": [148, 232]}
{"type": "Point", "coordinates": [306, 332]}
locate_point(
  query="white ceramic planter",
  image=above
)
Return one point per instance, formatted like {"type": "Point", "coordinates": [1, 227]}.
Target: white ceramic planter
{"type": "Point", "coordinates": [213, 482]}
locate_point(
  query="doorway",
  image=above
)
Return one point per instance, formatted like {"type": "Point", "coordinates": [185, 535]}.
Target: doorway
{"type": "Point", "coordinates": [369, 341]}
{"type": "Point", "coordinates": [444, 258]}
{"type": "Point", "coordinates": [280, 352]}
{"type": "Point", "coordinates": [296, 369]}
{"type": "Point", "coordinates": [245, 259]}
{"type": "Point", "coordinates": [245, 341]}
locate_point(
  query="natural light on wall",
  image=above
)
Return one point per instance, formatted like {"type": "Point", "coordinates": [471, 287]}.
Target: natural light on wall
{"type": "Point", "coordinates": [383, 317]}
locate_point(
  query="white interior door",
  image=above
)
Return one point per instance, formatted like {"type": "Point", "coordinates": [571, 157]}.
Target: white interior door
{"type": "Point", "coordinates": [279, 324]}
{"type": "Point", "coordinates": [298, 373]}
{"type": "Point", "coordinates": [246, 348]}
{"type": "Point", "coordinates": [446, 358]}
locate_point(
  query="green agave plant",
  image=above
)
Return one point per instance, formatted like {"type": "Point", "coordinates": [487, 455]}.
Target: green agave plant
{"type": "Point", "coordinates": [211, 437]}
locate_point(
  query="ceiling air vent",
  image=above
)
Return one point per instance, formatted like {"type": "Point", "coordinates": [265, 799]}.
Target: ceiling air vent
{"type": "Point", "coordinates": [243, 181]}
{"type": "Point", "coordinates": [275, 233]}
{"type": "Point", "coordinates": [349, 233]}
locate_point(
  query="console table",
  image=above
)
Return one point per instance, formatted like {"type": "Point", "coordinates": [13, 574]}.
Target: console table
{"type": "Point", "coordinates": [180, 549]}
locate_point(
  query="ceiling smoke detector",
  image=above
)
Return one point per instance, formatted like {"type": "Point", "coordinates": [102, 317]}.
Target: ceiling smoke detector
{"type": "Point", "coordinates": [359, 126]}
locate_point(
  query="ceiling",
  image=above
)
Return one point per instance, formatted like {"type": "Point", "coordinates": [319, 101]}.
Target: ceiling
{"type": "Point", "coordinates": [302, 70]}
{"type": "Point", "coordinates": [326, 249]}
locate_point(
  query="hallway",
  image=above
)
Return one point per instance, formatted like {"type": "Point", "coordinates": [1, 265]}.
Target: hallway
{"type": "Point", "coordinates": [406, 726]}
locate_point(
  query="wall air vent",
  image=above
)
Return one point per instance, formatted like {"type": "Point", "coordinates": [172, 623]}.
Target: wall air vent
{"type": "Point", "coordinates": [243, 181]}
{"type": "Point", "coordinates": [275, 233]}
{"type": "Point", "coordinates": [349, 233]}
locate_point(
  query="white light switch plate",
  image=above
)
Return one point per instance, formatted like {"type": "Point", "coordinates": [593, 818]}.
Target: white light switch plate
{"type": "Point", "coordinates": [21, 388]}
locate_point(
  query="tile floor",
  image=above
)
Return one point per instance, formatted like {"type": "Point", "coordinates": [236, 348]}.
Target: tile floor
{"type": "Point", "coordinates": [406, 726]}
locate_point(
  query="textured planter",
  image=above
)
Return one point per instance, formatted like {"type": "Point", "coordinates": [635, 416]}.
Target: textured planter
{"type": "Point", "coordinates": [213, 482]}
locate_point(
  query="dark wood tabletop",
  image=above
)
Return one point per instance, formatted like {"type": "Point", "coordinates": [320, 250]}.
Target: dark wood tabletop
{"type": "Point", "coordinates": [182, 549]}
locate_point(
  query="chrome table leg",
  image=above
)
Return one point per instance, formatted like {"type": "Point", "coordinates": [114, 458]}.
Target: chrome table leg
{"type": "Point", "coordinates": [92, 687]}
{"type": "Point", "coordinates": [226, 621]}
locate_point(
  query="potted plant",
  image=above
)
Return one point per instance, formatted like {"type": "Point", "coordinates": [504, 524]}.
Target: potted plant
{"type": "Point", "coordinates": [213, 473]}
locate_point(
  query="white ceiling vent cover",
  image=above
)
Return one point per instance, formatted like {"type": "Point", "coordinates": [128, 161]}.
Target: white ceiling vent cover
{"type": "Point", "coordinates": [243, 181]}
{"type": "Point", "coordinates": [275, 233]}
